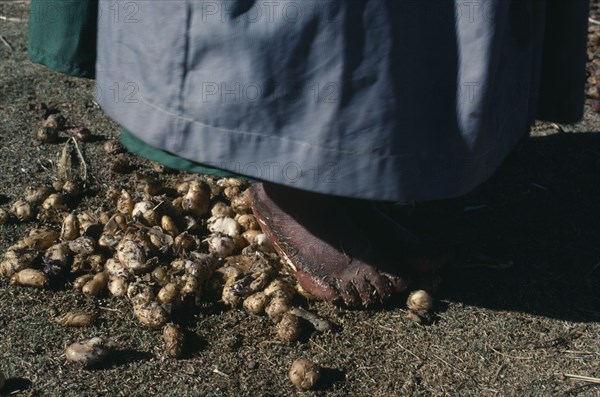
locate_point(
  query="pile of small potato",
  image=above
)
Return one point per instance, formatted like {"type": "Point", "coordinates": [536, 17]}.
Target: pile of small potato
{"type": "Point", "coordinates": [158, 247]}
{"type": "Point", "coordinates": [161, 246]}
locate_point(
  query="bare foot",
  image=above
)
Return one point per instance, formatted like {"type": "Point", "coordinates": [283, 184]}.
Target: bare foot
{"type": "Point", "coordinates": [330, 256]}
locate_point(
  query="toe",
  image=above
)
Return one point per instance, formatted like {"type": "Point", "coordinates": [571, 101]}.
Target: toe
{"type": "Point", "coordinates": [349, 293]}
{"type": "Point", "coordinates": [371, 285]}
{"type": "Point", "coordinates": [366, 291]}
{"type": "Point", "coordinates": [397, 284]}
{"type": "Point", "coordinates": [381, 285]}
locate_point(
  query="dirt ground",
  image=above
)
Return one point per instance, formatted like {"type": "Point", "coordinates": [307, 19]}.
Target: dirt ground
{"type": "Point", "coordinates": [515, 330]}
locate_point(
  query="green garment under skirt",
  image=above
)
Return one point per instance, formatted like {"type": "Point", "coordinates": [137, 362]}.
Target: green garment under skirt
{"type": "Point", "coordinates": [137, 146]}
{"type": "Point", "coordinates": [62, 37]}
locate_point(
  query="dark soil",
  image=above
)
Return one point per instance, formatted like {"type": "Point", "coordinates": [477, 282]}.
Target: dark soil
{"type": "Point", "coordinates": [508, 327]}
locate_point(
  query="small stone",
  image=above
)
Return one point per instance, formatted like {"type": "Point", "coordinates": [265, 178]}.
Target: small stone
{"type": "Point", "coordinates": [251, 364]}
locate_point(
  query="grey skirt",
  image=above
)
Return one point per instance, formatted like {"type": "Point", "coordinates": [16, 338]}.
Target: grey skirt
{"type": "Point", "coordinates": [390, 100]}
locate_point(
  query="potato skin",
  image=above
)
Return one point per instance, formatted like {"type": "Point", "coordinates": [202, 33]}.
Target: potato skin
{"type": "Point", "coordinates": [86, 353]}
{"type": "Point", "coordinates": [277, 308]}
{"type": "Point", "coordinates": [256, 303]}
{"type": "Point", "coordinates": [29, 278]}
{"type": "Point", "coordinates": [151, 315]}
{"type": "Point", "coordinates": [289, 328]}
{"type": "Point", "coordinates": [419, 301]}
{"type": "Point", "coordinates": [304, 373]}
{"type": "Point", "coordinates": [174, 340]}
{"type": "Point", "coordinates": [75, 319]}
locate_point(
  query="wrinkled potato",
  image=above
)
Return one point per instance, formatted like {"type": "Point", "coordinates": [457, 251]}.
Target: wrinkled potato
{"type": "Point", "coordinates": [54, 201]}
{"type": "Point", "coordinates": [58, 255]}
{"type": "Point", "coordinates": [224, 225]}
{"type": "Point", "coordinates": [231, 192]}
{"type": "Point", "coordinates": [174, 340]}
{"type": "Point", "coordinates": [250, 236]}
{"type": "Point", "coordinates": [121, 222]}
{"type": "Point", "coordinates": [75, 319]}
{"type": "Point", "coordinates": [154, 251]}
{"type": "Point", "coordinates": [132, 255]}
{"type": "Point", "coordinates": [47, 134]}
{"type": "Point", "coordinates": [15, 259]}
{"type": "Point", "coordinates": [22, 210]}
{"type": "Point", "coordinates": [125, 203]}
{"type": "Point", "coordinates": [168, 294]}
{"type": "Point", "coordinates": [183, 187]}
{"type": "Point", "coordinates": [151, 315]}
{"type": "Point", "coordinates": [71, 188]}
{"type": "Point", "coordinates": [70, 227]}
{"type": "Point", "coordinates": [190, 285]}
{"type": "Point", "coordinates": [230, 297]}
{"type": "Point", "coordinates": [116, 269]}
{"type": "Point", "coordinates": [221, 246]}
{"type": "Point", "coordinates": [280, 287]}
{"type": "Point", "coordinates": [118, 287]}
{"type": "Point", "coordinates": [54, 121]}
{"type": "Point", "coordinates": [220, 209]}
{"type": "Point", "coordinates": [41, 239]}
{"type": "Point", "coordinates": [80, 264]}
{"type": "Point", "coordinates": [304, 373]}
{"type": "Point", "coordinates": [419, 301]}
{"type": "Point", "coordinates": [81, 281]}
{"type": "Point", "coordinates": [184, 242]}
{"type": "Point", "coordinates": [276, 308]}
{"type": "Point", "coordinates": [139, 292]}
{"type": "Point", "coordinates": [256, 303]}
{"type": "Point", "coordinates": [87, 353]}
{"type": "Point", "coordinates": [96, 285]}
{"type": "Point", "coordinates": [161, 275]}
{"type": "Point", "coordinates": [109, 240]}
{"type": "Point", "coordinates": [248, 222]}
{"type": "Point", "coordinates": [159, 240]}
{"type": "Point", "coordinates": [29, 278]}
{"type": "Point", "coordinates": [168, 225]}
{"type": "Point", "coordinates": [288, 328]}
{"type": "Point", "coordinates": [144, 211]}
{"type": "Point", "coordinates": [83, 245]}
{"type": "Point", "coordinates": [197, 199]}
{"type": "Point", "coordinates": [96, 262]}
{"type": "Point", "coordinates": [36, 195]}
{"type": "Point", "coordinates": [241, 203]}
{"type": "Point", "coordinates": [230, 274]}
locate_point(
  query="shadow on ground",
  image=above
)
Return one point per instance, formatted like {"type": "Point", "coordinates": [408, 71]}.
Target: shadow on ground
{"type": "Point", "coordinates": [14, 386]}
{"type": "Point", "coordinates": [540, 211]}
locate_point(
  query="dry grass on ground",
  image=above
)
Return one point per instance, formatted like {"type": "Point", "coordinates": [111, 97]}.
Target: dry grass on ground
{"type": "Point", "coordinates": [512, 331]}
